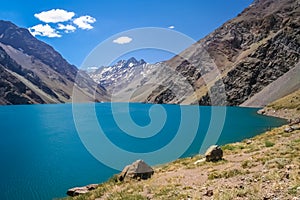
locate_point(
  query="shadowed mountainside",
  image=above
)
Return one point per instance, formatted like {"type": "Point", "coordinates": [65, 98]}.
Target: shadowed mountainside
{"type": "Point", "coordinates": [251, 51]}
{"type": "Point", "coordinates": [232, 64]}
{"type": "Point", "coordinates": [33, 72]}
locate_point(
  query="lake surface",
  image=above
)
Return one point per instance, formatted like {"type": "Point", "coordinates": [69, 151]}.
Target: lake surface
{"type": "Point", "coordinates": [43, 153]}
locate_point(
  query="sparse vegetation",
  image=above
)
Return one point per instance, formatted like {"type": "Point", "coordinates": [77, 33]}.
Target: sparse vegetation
{"type": "Point", "coordinates": [291, 101]}
{"type": "Point", "coordinates": [225, 174]}
{"type": "Point", "coordinates": [267, 165]}
{"type": "Point", "coordinates": [269, 144]}
{"type": "Point", "coordinates": [248, 164]}
{"type": "Point", "coordinates": [233, 147]}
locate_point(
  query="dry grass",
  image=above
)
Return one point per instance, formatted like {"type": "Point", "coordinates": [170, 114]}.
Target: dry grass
{"type": "Point", "coordinates": [291, 101]}
{"type": "Point", "coordinates": [266, 167]}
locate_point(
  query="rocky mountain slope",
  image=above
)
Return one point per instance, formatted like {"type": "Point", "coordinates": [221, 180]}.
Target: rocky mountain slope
{"type": "Point", "coordinates": [33, 72]}
{"type": "Point", "coordinates": [265, 44]}
{"type": "Point", "coordinates": [136, 81]}
{"type": "Point", "coordinates": [132, 80]}
{"type": "Point", "coordinates": [232, 64]}
{"type": "Point", "coordinates": [251, 51]}
{"type": "Point", "coordinates": [123, 71]}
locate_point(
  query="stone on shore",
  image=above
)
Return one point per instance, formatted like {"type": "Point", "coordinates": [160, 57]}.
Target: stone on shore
{"type": "Point", "coordinates": [137, 170]}
{"type": "Point", "coordinates": [214, 153]}
{"type": "Point", "coordinates": [81, 190]}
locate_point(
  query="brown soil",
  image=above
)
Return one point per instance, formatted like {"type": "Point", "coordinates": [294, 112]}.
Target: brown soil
{"type": "Point", "coordinates": [265, 167]}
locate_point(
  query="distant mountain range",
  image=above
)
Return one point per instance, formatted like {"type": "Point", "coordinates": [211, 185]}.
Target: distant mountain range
{"type": "Point", "coordinates": [33, 72]}
{"type": "Point", "coordinates": [256, 55]}
{"type": "Point", "coordinates": [123, 71]}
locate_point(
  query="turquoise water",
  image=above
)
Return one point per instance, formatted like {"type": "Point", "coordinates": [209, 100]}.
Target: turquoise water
{"type": "Point", "coordinates": [42, 154]}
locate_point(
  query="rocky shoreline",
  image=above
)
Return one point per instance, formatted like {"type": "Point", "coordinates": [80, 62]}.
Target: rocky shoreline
{"type": "Point", "coordinates": [263, 167]}
{"type": "Point", "coordinates": [291, 115]}
{"type": "Point", "coordinates": [287, 107]}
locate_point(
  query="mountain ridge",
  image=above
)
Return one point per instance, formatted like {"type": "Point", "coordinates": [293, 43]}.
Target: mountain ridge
{"type": "Point", "coordinates": [241, 48]}
{"type": "Point", "coordinates": [108, 76]}
{"type": "Point", "coordinates": [231, 64]}
{"type": "Point", "coordinates": [21, 38]}
{"type": "Point", "coordinates": [41, 71]}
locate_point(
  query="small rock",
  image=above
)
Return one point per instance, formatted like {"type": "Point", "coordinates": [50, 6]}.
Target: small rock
{"type": "Point", "coordinates": [289, 167]}
{"type": "Point", "coordinates": [209, 193]}
{"type": "Point", "coordinates": [130, 191]}
{"type": "Point", "coordinates": [294, 128]}
{"type": "Point", "coordinates": [199, 161]}
{"type": "Point", "coordinates": [288, 130]}
{"type": "Point", "coordinates": [91, 186]}
{"type": "Point", "coordinates": [81, 190]}
{"type": "Point", "coordinates": [287, 175]}
{"type": "Point", "coordinates": [149, 196]}
{"type": "Point", "coordinates": [294, 121]}
{"type": "Point", "coordinates": [214, 153]}
{"type": "Point", "coordinates": [261, 112]}
{"type": "Point", "coordinates": [248, 141]}
{"type": "Point", "coordinates": [269, 196]}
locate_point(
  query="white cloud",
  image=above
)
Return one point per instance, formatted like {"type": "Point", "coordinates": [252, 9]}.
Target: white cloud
{"type": "Point", "coordinates": [84, 22]}
{"type": "Point", "coordinates": [44, 30]}
{"type": "Point", "coordinates": [55, 16]}
{"type": "Point", "coordinates": [64, 22]}
{"type": "Point", "coordinates": [67, 28]}
{"type": "Point", "coordinates": [171, 27]}
{"type": "Point", "coordinates": [122, 40]}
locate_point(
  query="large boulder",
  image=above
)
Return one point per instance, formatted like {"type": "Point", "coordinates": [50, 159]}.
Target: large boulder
{"type": "Point", "coordinates": [81, 190]}
{"type": "Point", "coordinates": [137, 170]}
{"type": "Point", "coordinates": [214, 153]}
{"type": "Point", "coordinates": [295, 127]}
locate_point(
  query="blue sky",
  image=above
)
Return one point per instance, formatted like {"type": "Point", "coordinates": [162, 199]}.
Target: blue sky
{"type": "Point", "coordinates": [85, 24]}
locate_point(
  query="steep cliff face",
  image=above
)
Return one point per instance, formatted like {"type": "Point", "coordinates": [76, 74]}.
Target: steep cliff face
{"type": "Point", "coordinates": [21, 39]}
{"type": "Point", "coordinates": [33, 72]}
{"type": "Point", "coordinates": [14, 91]}
{"type": "Point", "coordinates": [251, 51]}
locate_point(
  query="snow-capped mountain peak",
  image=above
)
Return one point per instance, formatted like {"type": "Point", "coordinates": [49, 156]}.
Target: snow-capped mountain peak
{"type": "Point", "coordinates": [108, 76]}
